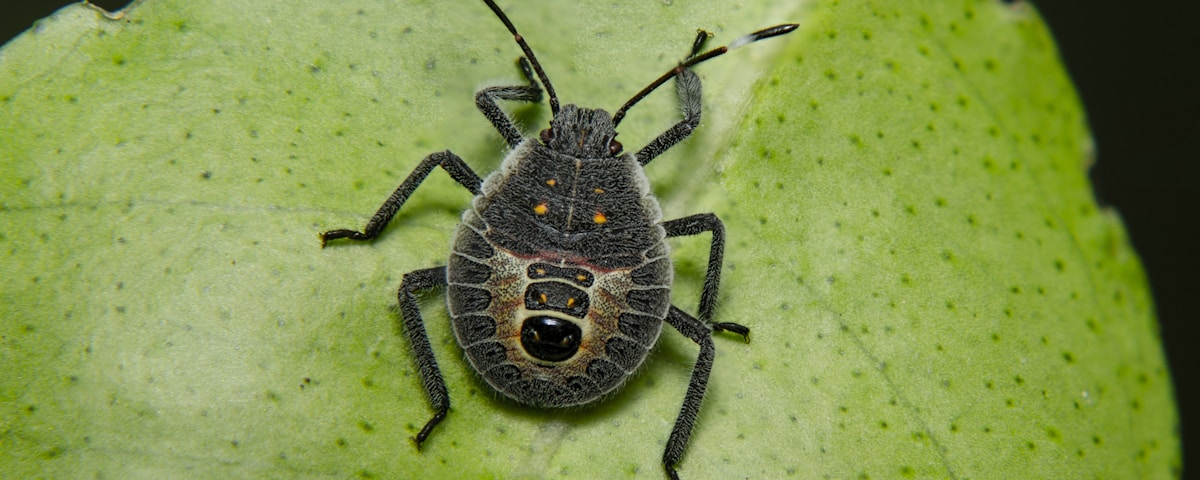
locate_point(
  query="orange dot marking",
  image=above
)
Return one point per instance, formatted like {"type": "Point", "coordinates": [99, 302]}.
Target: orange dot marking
{"type": "Point", "coordinates": [599, 218]}
{"type": "Point", "coordinates": [551, 182]}
{"type": "Point", "coordinates": [541, 209]}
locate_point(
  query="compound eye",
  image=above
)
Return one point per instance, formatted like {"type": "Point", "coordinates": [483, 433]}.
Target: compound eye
{"type": "Point", "coordinates": [547, 135]}
{"type": "Point", "coordinates": [550, 339]}
{"type": "Point", "coordinates": [614, 147]}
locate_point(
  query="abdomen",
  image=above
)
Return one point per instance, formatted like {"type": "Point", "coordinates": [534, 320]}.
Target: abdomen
{"type": "Point", "coordinates": [551, 329]}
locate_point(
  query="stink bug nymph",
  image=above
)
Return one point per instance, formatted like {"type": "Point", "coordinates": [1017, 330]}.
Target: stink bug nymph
{"type": "Point", "coordinates": [560, 280]}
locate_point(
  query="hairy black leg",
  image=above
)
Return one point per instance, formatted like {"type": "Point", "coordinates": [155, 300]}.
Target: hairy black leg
{"type": "Point", "coordinates": [414, 329]}
{"type": "Point", "coordinates": [687, 86]}
{"type": "Point", "coordinates": [695, 224]}
{"type": "Point", "coordinates": [449, 162]}
{"type": "Point", "coordinates": [701, 333]}
{"type": "Point", "coordinates": [486, 101]}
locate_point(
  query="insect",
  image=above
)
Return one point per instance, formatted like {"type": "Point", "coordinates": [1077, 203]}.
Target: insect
{"type": "Point", "coordinates": [560, 280]}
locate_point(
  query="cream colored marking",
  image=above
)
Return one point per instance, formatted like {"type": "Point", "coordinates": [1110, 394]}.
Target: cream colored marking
{"type": "Point", "coordinates": [574, 191]}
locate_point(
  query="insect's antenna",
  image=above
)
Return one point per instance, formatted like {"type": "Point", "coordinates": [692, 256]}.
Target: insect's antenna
{"type": "Point", "coordinates": [694, 59]}
{"type": "Point", "coordinates": [537, 67]}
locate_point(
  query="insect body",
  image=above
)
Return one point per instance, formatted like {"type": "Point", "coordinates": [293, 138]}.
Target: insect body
{"type": "Point", "coordinates": [559, 280]}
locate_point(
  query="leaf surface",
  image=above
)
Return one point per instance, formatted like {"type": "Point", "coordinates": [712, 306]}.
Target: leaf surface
{"type": "Point", "coordinates": [932, 290]}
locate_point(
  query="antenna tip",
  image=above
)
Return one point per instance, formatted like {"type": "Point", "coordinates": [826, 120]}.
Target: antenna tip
{"type": "Point", "coordinates": [764, 33]}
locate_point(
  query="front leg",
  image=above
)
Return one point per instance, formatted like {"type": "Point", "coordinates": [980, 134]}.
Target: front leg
{"type": "Point", "coordinates": [701, 333]}
{"type": "Point", "coordinates": [449, 162]}
{"type": "Point", "coordinates": [687, 86]}
{"type": "Point", "coordinates": [486, 101]}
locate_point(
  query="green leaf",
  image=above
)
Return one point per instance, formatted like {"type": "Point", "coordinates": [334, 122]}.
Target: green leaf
{"type": "Point", "coordinates": [932, 290]}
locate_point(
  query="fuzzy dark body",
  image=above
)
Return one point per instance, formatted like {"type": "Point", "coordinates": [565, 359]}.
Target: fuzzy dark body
{"type": "Point", "coordinates": [618, 272]}
{"type": "Point", "coordinates": [573, 191]}
{"type": "Point", "coordinates": [559, 280]}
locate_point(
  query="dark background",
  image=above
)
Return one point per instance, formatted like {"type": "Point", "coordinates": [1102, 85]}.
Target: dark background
{"type": "Point", "coordinates": [1136, 69]}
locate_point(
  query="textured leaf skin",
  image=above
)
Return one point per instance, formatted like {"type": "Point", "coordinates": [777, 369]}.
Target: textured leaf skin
{"type": "Point", "coordinates": [932, 289]}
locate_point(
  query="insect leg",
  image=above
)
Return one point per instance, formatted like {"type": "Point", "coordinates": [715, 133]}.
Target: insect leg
{"type": "Point", "coordinates": [449, 162]}
{"type": "Point", "coordinates": [414, 329]}
{"type": "Point", "coordinates": [486, 98]}
{"type": "Point", "coordinates": [692, 225]}
{"type": "Point", "coordinates": [687, 86]}
{"type": "Point", "coordinates": [701, 333]}
{"type": "Point", "coordinates": [695, 224]}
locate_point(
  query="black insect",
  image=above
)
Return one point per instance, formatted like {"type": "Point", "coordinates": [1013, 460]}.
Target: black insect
{"type": "Point", "coordinates": [560, 278]}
